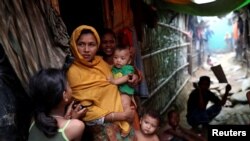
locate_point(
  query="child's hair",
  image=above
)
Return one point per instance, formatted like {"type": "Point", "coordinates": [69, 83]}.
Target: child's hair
{"type": "Point", "coordinates": [154, 114]}
{"type": "Point", "coordinates": [131, 51]}
{"type": "Point", "coordinates": [46, 88]}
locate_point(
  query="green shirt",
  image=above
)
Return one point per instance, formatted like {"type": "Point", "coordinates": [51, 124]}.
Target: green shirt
{"type": "Point", "coordinates": [119, 72]}
{"type": "Point", "coordinates": [37, 135]}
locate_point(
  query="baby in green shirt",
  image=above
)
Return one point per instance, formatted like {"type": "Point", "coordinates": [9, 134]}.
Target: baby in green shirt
{"type": "Point", "coordinates": [122, 72]}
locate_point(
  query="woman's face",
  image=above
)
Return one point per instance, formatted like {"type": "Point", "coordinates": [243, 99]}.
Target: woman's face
{"type": "Point", "coordinates": [108, 44]}
{"type": "Point", "coordinates": [87, 46]}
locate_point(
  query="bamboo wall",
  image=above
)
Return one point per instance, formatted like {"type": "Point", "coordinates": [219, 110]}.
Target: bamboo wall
{"type": "Point", "coordinates": [164, 55]}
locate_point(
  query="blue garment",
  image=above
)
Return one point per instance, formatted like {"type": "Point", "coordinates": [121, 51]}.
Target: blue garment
{"type": "Point", "coordinates": [203, 117]}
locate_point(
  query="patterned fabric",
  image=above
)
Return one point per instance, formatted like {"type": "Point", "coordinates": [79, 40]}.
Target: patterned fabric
{"type": "Point", "coordinates": [110, 132]}
{"type": "Point", "coordinates": [118, 14]}
{"type": "Point", "coordinates": [27, 38]}
{"type": "Point", "coordinates": [205, 9]}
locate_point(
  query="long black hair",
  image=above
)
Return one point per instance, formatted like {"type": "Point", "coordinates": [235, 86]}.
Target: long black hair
{"type": "Point", "coordinates": [46, 88]}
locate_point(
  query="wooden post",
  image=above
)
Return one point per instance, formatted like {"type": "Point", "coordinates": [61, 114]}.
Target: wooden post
{"type": "Point", "coordinates": [189, 58]}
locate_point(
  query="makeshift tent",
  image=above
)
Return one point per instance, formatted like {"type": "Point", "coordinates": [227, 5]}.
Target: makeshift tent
{"type": "Point", "coordinates": [32, 36]}
{"type": "Point", "coordinates": [215, 8]}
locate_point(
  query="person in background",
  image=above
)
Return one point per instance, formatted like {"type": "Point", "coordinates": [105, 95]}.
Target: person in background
{"type": "Point", "coordinates": [228, 40]}
{"type": "Point", "coordinates": [87, 76]}
{"type": "Point", "coordinates": [51, 94]}
{"type": "Point", "coordinates": [149, 125]}
{"type": "Point", "coordinates": [197, 111]}
{"type": "Point", "coordinates": [108, 45]}
{"type": "Point", "coordinates": [237, 35]}
{"type": "Point", "coordinates": [175, 132]}
{"type": "Point", "coordinates": [209, 60]}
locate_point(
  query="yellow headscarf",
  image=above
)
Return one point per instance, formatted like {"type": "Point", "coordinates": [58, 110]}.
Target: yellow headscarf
{"type": "Point", "coordinates": [74, 37]}
{"type": "Point", "coordinates": [89, 84]}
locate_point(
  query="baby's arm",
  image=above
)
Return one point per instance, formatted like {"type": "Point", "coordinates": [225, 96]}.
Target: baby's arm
{"type": "Point", "coordinates": [127, 72]}
{"type": "Point", "coordinates": [119, 80]}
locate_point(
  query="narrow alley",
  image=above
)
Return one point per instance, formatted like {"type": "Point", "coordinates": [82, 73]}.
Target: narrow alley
{"type": "Point", "coordinates": [236, 110]}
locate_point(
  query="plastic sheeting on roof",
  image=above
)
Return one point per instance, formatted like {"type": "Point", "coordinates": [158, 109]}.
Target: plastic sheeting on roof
{"type": "Point", "coordinates": [218, 7]}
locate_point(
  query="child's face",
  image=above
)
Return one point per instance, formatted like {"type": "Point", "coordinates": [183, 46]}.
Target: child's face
{"type": "Point", "coordinates": [149, 125]}
{"type": "Point", "coordinates": [174, 119]}
{"type": "Point", "coordinates": [121, 58]}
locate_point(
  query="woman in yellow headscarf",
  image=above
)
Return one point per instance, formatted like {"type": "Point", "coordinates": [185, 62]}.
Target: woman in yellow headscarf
{"type": "Point", "coordinates": [87, 77]}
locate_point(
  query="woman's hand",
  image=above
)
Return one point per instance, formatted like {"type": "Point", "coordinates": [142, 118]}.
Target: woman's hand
{"type": "Point", "coordinates": [111, 79]}
{"type": "Point", "coordinates": [75, 111]}
{"type": "Point", "coordinates": [129, 114]}
{"type": "Point", "coordinates": [133, 80]}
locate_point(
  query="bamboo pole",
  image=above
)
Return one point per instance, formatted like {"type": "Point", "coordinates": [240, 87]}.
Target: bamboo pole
{"type": "Point", "coordinates": [165, 49]}
{"type": "Point", "coordinates": [174, 97]}
{"type": "Point", "coordinates": [163, 83]}
{"type": "Point", "coordinates": [172, 27]}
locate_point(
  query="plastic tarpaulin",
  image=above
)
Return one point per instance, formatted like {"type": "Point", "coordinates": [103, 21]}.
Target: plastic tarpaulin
{"type": "Point", "coordinates": [218, 7]}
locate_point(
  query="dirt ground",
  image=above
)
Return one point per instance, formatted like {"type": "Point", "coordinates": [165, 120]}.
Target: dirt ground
{"type": "Point", "coordinates": [235, 73]}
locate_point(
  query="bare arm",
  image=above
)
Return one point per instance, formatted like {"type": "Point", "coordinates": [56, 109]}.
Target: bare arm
{"type": "Point", "coordinates": [156, 138]}
{"type": "Point", "coordinates": [133, 80]}
{"type": "Point", "coordinates": [121, 116]}
{"type": "Point", "coordinates": [136, 77]}
{"type": "Point", "coordinates": [75, 130]}
{"type": "Point", "coordinates": [120, 80]}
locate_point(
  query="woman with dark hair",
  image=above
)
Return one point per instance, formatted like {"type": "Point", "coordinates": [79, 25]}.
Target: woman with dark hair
{"type": "Point", "coordinates": [108, 45]}
{"type": "Point", "coordinates": [51, 94]}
